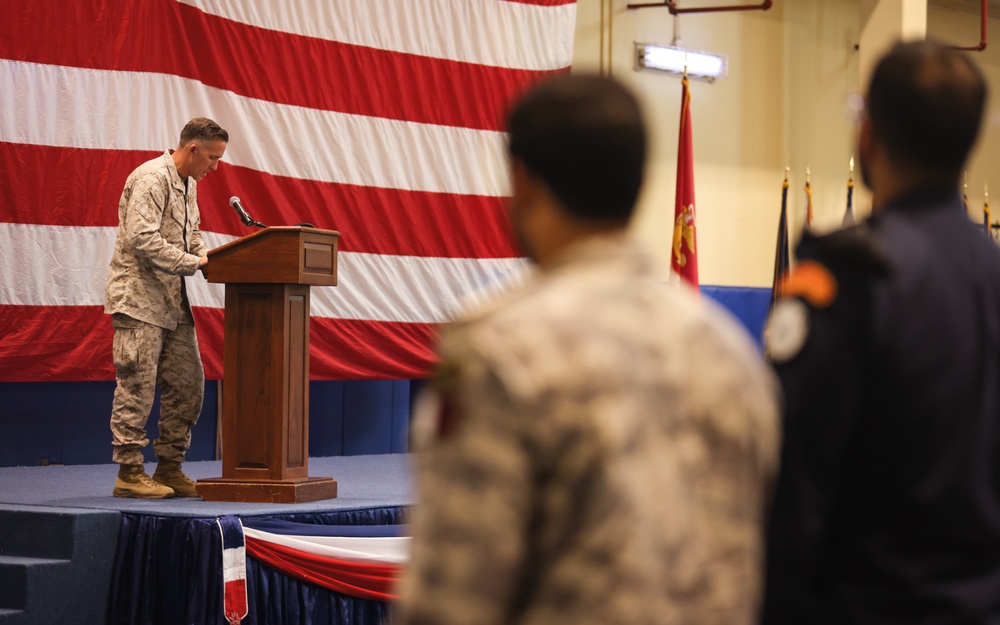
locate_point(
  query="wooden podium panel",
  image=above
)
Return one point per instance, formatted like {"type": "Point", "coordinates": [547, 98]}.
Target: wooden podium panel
{"type": "Point", "coordinates": [280, 254]}
{"type": "Point", "coordinates": [265, 428]}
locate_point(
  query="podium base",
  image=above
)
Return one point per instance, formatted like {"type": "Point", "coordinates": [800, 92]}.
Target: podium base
{"type": "Point", "coordinates": [273, 491]}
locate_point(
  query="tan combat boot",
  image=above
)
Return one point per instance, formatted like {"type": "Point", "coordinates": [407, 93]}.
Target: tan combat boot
{"type": "Point", "coordinates": [133, 482]}
{"type": "Point", "coordinates": [169, 474]}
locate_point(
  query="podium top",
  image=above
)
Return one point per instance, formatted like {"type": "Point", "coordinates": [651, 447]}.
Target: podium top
{"type": "Point", "coordinates": [277, 255]}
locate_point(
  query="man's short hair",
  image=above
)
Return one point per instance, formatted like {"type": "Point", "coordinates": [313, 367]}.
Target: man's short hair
{"type": "Point", "coordinates": [584, 136]}
{"type": "Point", "coordinates": [926, 104]}
{"type": "Point", "coordinates": [202, 129]}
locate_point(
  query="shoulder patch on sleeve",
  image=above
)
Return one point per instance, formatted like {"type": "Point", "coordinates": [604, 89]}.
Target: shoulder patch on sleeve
{"type": "Point", "coordinates": [436, 416]}
{"type": "Point", "coordinates": [787, 329]}
{"type": "Point", "coordinates": [813, 282]}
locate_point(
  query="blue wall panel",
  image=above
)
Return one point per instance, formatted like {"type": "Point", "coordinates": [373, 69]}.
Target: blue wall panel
{"type": "Point", "coordinates": [749, 305]}
{"type": "Point", "coordinates": [326, 418]}
{"type": "Point", "coordinates": [68, 423]}
{"type": "Point", "coordinates": [377, 409]}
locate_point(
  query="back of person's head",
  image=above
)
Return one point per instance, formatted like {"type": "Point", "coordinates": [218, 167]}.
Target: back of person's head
{"type": "Point", "coordinates": [925, 103]}
{"type": "Point", "coordinates": [584, 136]}
{"type": "Point", "coordinates": [202, 129]}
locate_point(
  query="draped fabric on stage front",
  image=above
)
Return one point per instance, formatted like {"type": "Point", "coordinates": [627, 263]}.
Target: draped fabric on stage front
{"type": "Point", "coordinates": [168, 570]}
{"type": "Point", "coordinates": [359, 561]}
{"type": "Point", "coordinates": [378, 118]}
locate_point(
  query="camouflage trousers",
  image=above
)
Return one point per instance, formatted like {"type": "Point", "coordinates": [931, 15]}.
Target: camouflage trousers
{"type": "Point", "coordinates": [146, 356]}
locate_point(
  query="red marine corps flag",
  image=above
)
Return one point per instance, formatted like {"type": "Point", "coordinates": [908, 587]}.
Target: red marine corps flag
{"type": "Point", "coordinates": [684, 259]}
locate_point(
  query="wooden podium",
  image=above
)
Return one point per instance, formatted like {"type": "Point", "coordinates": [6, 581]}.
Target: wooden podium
{"type": "Point", "coordinates": [265, 427]}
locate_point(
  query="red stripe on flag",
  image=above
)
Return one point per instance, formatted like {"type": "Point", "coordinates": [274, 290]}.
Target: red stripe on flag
{"type": "Point", "coordinates": [81, 187]}
{"type": "Point", "coordinates": [339, 349]}
{"type": "Point", "coordinates": [371, 219]}
{"type": "Point", "coordinates": [149, 36]}
{"type": "Point", "coordinates": [54, 343]}
{"type": "Point", "coordinates": [544, 3]}
{"type": "Point", "coordinates": [355, 579]}
{"type": "Point", "coordinates": [73, 343]}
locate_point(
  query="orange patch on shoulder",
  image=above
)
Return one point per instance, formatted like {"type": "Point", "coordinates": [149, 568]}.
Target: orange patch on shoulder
{"type": "Point", "coordinates": [811, 281]}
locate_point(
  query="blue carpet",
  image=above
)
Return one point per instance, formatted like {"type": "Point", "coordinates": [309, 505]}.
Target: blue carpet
{"type": "Point", "coordinates": [362, 482]}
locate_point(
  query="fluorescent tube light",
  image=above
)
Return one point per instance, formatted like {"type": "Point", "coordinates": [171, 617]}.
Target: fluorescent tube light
{"type": "Point", "coordinates": [673, 60]}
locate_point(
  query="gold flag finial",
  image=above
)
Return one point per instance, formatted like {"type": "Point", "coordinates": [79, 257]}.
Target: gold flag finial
{"type": "Point", "coordinates": [987, 213]}
{"type": "Point", "coordinates": [850, 175]}
{"type": "Point", "coordinates": [809, 201]}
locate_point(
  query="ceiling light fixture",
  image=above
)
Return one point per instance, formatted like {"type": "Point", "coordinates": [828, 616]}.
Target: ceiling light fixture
{"type": "Point", "coordinates": [674, 60]}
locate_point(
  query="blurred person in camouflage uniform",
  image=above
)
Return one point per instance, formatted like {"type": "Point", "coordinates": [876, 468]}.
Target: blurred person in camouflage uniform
{"type": "Point", "coordinates": [595, 446]}
{"type": "Point", "coordinates": [158, 243]}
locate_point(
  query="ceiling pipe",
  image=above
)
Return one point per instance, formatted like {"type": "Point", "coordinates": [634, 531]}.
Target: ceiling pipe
{"type": "Point", "coordinates": [766, 4]}
{"type": "Point", "coordinates": [674, 10]}
{"type": "Point", "coordinates": [982, 34]}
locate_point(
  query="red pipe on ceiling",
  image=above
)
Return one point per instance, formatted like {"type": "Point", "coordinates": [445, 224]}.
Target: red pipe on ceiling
{"type": "Point", "coordinates": [982, 34]}
{"type": "Point", "coordinates": [766, 4]}
{"type": "Point", "coordinates": [674, 10]}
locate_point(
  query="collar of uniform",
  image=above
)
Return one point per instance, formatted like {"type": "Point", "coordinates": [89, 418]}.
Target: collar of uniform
{"type": "Point", "coordinates": [928, 198]}
{"type": "Point", "coordinates": [604, 248]}
{"type": "Point", "coordinates": [599, 251]}
{"type": "Point", "coordinates": [175, 177]}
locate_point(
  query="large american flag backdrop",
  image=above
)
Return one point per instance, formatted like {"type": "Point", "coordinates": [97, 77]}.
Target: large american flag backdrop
{"type": "Point", "coordinates": [382, 119]}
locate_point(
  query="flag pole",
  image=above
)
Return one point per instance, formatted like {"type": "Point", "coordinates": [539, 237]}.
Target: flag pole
{"type": "Point", "coordinates": [965, 192]}
{"type": "Point", "coordinates": [986, 210]}
{"type": "Point", "coordinates": [809, 201]}
{"type": "Point", "coordinates": [849, 213]}
{"type": "Point", "coordinates": [781, 252]}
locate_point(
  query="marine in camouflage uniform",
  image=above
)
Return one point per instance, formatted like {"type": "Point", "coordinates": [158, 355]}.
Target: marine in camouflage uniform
{"type": "Point", "coordinates": [594, 447]}
{"type": "Point", "coordinates": [157, 244]}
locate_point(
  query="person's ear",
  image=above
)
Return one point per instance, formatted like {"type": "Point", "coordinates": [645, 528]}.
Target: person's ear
{"type": "Point", "coordinates": [524, 184]}
{"type": "Point", "coordinates": [865, 137]}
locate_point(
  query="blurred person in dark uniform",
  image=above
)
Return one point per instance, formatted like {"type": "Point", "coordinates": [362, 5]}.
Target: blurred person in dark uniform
{"type": "Point", "coordinates": [598, 444]}
{"type": "Point", "coordinates": [887, 345]}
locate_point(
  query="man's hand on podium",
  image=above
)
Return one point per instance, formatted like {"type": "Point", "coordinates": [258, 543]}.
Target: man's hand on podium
{"type": "Point", "coordinates": [202, 261]}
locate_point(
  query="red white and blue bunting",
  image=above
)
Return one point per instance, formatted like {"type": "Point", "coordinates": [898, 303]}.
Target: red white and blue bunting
{"type": "Point", "coordinates": [362, 561]}
{"type": "Point", "coordinates": [234, 569]}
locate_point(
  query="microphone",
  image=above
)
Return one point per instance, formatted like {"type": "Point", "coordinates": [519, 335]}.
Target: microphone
{"type": "Point", "coordinates": [242, 212]}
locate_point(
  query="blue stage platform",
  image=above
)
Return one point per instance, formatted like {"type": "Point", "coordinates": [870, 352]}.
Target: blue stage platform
{"type": "Point", "coordinates": [70, 552]}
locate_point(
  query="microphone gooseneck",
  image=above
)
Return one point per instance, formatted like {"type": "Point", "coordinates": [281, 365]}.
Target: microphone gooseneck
{"type": "Point", "coordinates": [242, 212]}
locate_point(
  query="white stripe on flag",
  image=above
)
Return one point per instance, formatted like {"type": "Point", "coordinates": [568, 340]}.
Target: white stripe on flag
{"type": "Point", "coordinates": [487, 32]}
{"type": "Point", "coordinates": [343, 148]}
{"type": "Point", "coordinates": [69, 267]}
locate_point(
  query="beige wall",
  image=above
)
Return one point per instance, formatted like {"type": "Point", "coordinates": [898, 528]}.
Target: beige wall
{"type": "Point", "coordinates": [783, 104]}
{"type": "Point", "coordinates": [962, 28]}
